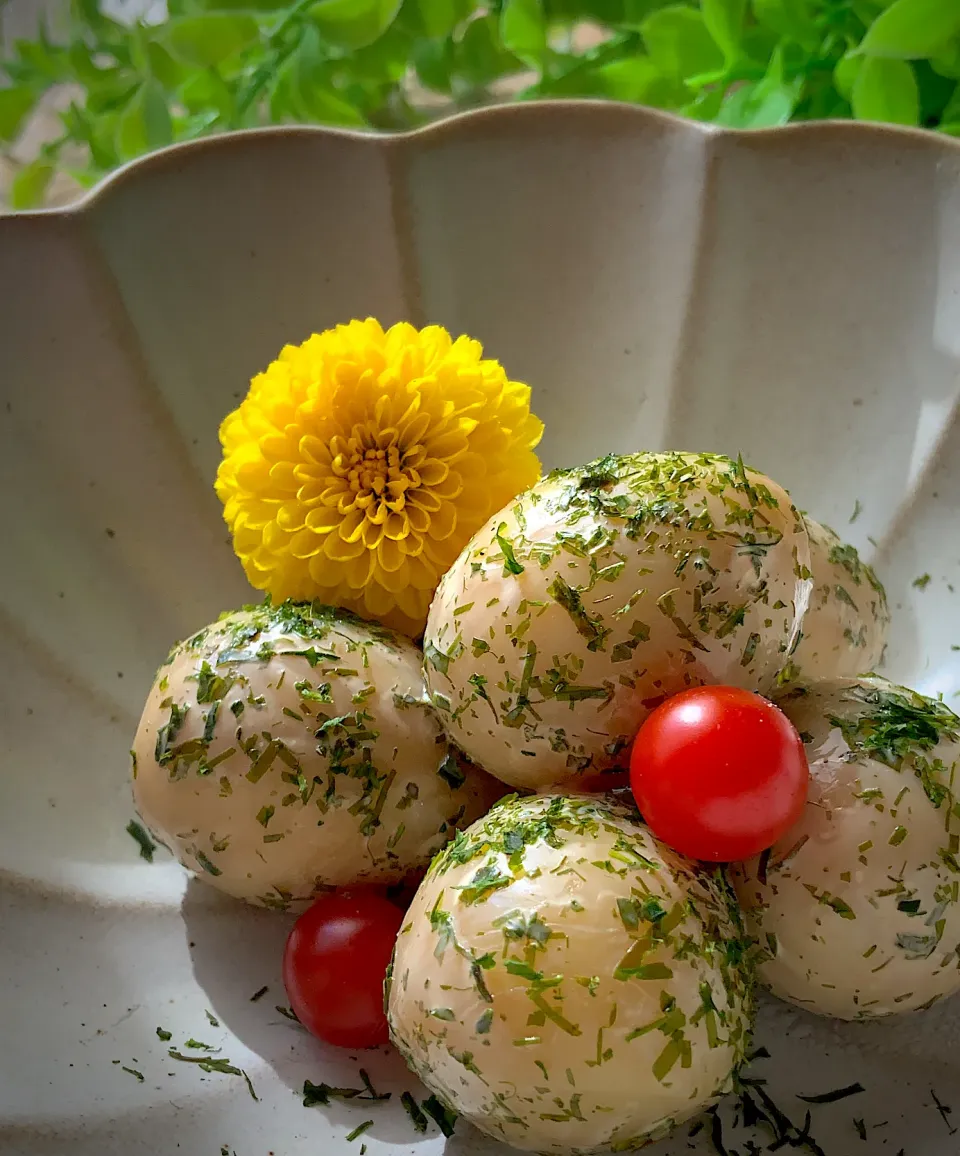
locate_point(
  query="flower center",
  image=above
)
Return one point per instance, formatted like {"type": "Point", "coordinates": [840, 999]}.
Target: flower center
{"type": "Point", "coordinates": [378, 478]}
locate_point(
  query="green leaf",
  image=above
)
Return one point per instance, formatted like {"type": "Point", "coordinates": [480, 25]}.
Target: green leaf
{"type": "Point", "coordinates": [384, 62]}
{"type": "Point", "coordinates": [886, 90]}
{"type": "Point", "coordinates": [40, 59]}
{"type": "Point", "coordinates": [789, 19]}
{"type": "Point", "coordinates": [935, 92]}
{"type": "Point", "coordinates": [113, 91]}
{"type": "Point", "coordinates": [946, 62]}
{"type": "Point", "coordinates": [912, 29]}
{"type": "Point", "coordinates": [81, 62]}
{"type": "Point", "coordinates": [161, 65]}
{"type": "Point", "coordinates": [145, 123]}
{"type": "Point", "coordinates": [276, 6]}
{"type": "Point", "coordinates": [208, 40]}
{"type": "Point", "coordinates": [767, 103]}
{"type": "Point", "coordinates": [724, 21]}
{"type": "Point", "coordinates": [951, 112]}
{"type": "Point", "coordinates": [635, 12]}
{"type": "Point", "coordinates": [523, 31]}
{"type": "Point", "coordinates": [434, 18]}
{"type": "Point", "coordinates": [632, 80]}
{"type": "Point", "coordinates": [285, 94]}
{"type": "Point", "coordinates": [317, 96]}
{"type": "Point", "coordinates": [30, 184]}
{"type": "Point", "coordinates": [707, 105]}
{"type": "Point", "coordinates": [15, 106]}
{"type": "Point", "coordinates": [846, 72]}
{"type": "Point", "coordinates": [207, 90]}
{"type": "Point", "coordinates": [434, 63]}
{"type": "Point", "coordinates": [353, 23]}
{"type": "Point", "coordinates": [479, 55]}
{"type": "Point", "coordinates": [679, 43]}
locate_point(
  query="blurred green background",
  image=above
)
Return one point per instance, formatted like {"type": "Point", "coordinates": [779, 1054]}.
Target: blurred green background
{"type": "Point", "coordinates": [86, 88]}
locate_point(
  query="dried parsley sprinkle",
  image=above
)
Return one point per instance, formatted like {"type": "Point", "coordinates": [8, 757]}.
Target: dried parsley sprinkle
{"type": "Point", "coordinates": [142, 838]}
{"type": "Point", "coordinates": [445, 1118]}
{"type": "Point", "coordinates": [163, 1034]}
{"type": "Point", "coordinates": [510, 563]}
{"type": "Point", "coordinates": [922, 582]}
{"type": "Point", "coordinates": [210, 867]}
{"type": "Point", "coordinates": [359, 1130]}
{"type": "Point", "coordinates": [413, 1110]}
{"type": "Point", "coordinates": [133, 1072]}
{"type": "Point", "coordinates": [944, 1110]}
{"type": "Point", "coordinates": [833, 1096]}
{"type": "Point", "coordinates": [210, 1064]}
{"type": "Point", "coordinates": [259, 993]}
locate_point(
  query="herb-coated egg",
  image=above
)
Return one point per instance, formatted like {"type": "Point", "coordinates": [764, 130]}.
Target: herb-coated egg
{"type": "Point", "coordinates": [601, 592]}
{"type": "Point", "coordinates": [568, 983]}
{"type": "Point", "coordinates": [286, 749]}
{"type": "Point", "coordinates": [858, 906]}
{"type": "Point", "coordinates": [845, 627]}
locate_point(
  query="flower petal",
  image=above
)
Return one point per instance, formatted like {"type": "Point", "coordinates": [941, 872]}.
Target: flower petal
{"type": "Point", "coordinates": [389, 555]}
{"type": "Point", "coordinates": [372, 534]}
{"type": "Point", "coordinates": [340, 551]}
{"type": "Point", "coordinates": [358, 571]}
{"type": "Point", "coordinates": [397, 526]}
{"type": "Point", "coordinates": [323, 520]}
{"type": "Point", "coordinates": [351, 525]}
{"type": "Point", "coordinates": [305, 543]}
{"type": "Point", "coordinates": [443, 522]}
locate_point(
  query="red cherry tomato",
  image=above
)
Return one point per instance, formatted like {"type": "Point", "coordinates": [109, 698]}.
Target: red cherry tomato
{"type": "Point", "coordinates": [719, 773]}
{"type": "Point", "coordinates": [334, 965]}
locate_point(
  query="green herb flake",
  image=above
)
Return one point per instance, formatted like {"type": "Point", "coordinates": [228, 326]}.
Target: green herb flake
{"type": "Point", "coordinates": [487, 880]}
{"type": "Point", "coordinates": [444, 1117]}
{"type": "Point", "coordinates": [510, 563]}
{"type": "Point", "coordinates": [141, 837]}
{"type": "Point", "coordinates": [414, 1111]}
{"type": "Point", "coordinates": [833, 1096]}
{"type": "Point", "coordinates": [570, 600]}
{"type": "Point", "coordinates": [359, 1130]}
{"type": "Point", "coordinates": [133, 1072]}
{"type": "Point", "coordinates": [163, 1034]}
{"type": "Point", "coordinates": [207, 864]}
{"type": "Point", "coordinates": [922, 582]}
{"type": "Point", "coordinates": [451, 772]}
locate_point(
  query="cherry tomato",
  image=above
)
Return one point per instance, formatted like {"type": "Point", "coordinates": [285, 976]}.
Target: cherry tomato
{"type": "Point", "coordinates": [719, 773]}
{"type": "Point", "coordinates": [334, 965]}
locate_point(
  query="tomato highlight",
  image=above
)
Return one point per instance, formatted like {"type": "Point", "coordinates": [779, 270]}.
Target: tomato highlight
{"type": "Point", "coordinates": [719, 773]}
{"type": "Point", "coordinates": [334, 965]}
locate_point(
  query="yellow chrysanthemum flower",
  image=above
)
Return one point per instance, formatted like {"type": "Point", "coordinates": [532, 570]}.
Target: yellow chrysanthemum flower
{"type": "Point", "coordinates": [361, 462]}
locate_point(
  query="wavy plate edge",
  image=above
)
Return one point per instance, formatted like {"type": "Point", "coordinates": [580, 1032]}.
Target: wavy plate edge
{"type": "Point", "coordinates": [461, 125]}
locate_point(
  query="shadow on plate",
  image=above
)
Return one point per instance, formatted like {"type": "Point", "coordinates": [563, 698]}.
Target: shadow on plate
{"type": "Point", "coordinates": [236, 951]}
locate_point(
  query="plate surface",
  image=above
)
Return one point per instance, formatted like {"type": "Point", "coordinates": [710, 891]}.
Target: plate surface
{"type": "Point", "coordinates": [792, 295]}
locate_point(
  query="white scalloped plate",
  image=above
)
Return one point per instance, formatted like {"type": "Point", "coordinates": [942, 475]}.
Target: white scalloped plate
{"type": "Point", "coordinates": [793, 295]}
